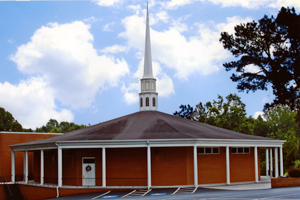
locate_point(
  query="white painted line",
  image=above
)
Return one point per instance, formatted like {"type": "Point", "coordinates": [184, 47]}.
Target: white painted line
{"type": "Point", "coordinates": [176, 191]}
{"type": "Point", "coordinates": [195, 190]}
{"type": "Point", "coordinates": [128, 193]}
{"type": "Point", "coordinates": [101, 195]}
{"type": "Point", "coordinates": [146, 192]}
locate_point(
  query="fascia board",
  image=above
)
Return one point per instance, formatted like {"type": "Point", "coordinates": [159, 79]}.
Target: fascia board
{"type": "Point", "coordinates": [152, 143]}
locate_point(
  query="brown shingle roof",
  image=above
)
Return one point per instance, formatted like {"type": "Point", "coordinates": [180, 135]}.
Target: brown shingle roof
{"type": "Point", "coordinates": [149, 125]}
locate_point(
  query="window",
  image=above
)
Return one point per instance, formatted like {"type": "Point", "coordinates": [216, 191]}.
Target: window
{"type": "Point", "coordinates": [147, 101]}
{"type": "Point", "coordinates": [240, 150]}
{"type": "Point", "coordinates": [153, 101]}
{"type": "Point", "coordinates": [141, 102]}
{"type": "Point", "coordinates": [208, 150]}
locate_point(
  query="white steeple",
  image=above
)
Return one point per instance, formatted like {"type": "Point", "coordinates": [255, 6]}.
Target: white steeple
{"type": "Point", "coordinates": [148, 94]}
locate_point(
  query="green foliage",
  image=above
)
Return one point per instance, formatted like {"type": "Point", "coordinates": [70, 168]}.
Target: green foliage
{"type": "Point", "coordinates": [53, 126]}
{"type": "Point", "coordinates": [185, 112]}
{"type": "Point", "coordinates": [8, 123]}
{"type": "Point", "coordinates": [271, 45]}
{"type": "Point", "coordinates": [297, 164]}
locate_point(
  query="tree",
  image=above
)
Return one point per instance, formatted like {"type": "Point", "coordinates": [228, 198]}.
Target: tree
{"type": "Point", "coordinates": [8, 123]}
{"type": "Point", "coordinates": [273, 47]}
{"type": "Point", "coordinates": [185, 112]}
{"type": "Point", "coordinates": [53, 126]}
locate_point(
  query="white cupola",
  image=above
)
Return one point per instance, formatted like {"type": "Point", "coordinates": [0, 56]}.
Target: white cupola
{"type": "Point", "coordinates": [148, 94]}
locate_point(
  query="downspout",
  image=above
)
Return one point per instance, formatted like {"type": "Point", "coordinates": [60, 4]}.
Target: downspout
{"type": "Point", "coordinates": [57, 190]}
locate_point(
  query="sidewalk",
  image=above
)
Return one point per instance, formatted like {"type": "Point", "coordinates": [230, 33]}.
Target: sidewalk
{"type": "Point", "coordinates": [264, 183]}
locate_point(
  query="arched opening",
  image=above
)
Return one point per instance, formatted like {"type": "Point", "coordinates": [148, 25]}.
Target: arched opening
{"type": "Point", "coordinates": [141, 102]}
{"type": "Point", "coordinates": [153, 101]}
{"type": "Point", "coordinates": [147, 101]}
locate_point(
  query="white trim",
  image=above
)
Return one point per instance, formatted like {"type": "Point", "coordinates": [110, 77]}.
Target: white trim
{"type": "Point", "coordinates": [256, 164]}
{"type": "Point", "coordinates": [42, 167]}
{"type": "Point", "coordinates": [267, 162]}
{"type": "Point", "coordinates": [227, 166]}
{"type": "Point", "coordinates": [152, 143]}
{"type": "Point", "coordinates": [13, 167]}
{"type": "Point", "coordinates": [242, 148]}
{"type": "Point", "coordinates": [103, 167]}
{"type": "Point", "coordinates": [149, 166]}
{"type": "Point", "coordinates": [26, 166]}
{"type": "Point", "coordinates": [59, 163]}
{"type": "Point", "coordinates": [281, 161]}
{"type": "Point", "coordinates": [195, 166]}
{"type": "Point", "coordinates": [211, 148]}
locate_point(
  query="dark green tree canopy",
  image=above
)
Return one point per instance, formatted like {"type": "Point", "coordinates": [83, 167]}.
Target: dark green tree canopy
{"type": "Point", "coordinates": [273, 46]}
{"type": "Point", "coordinates": [8, 122]}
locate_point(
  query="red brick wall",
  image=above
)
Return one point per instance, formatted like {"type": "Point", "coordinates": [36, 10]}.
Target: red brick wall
{"type": "Point", "coordinates": [212, 167]}
{"type": "Point", "coordinates": [11, 138]}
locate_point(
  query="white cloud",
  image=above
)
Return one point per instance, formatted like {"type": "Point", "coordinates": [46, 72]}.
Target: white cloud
{"type": "Point", "coordinates": [108, 2]}
{"type": "Point", "coordinates": [250, 4]}
{"type": "Point", "coordinates": [107, 27]}
{"type": "Point", "coordinates": [258, 113]}
{"type": "Point", "coordinates": [32, 103]}
{"type": "Point", "coordinates": [114, 49]}
{"type": "Point", "coordinates": [63, 56]}
{"type": "Point", "coordinates": [201, 54]}
{"type": "Point", "coordinates": [252, 68]}
{"type": "Point", "coordinates": [92, 20]}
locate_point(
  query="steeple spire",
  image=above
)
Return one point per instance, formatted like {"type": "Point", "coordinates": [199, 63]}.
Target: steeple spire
{"type": "Point", "coordinates": [148, 94]}
{"type": "Point", "coordinates": [147, 59]}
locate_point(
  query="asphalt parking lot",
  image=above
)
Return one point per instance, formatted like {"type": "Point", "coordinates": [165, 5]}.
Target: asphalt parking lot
{"type": "Point", "coordinates": [192, 194]}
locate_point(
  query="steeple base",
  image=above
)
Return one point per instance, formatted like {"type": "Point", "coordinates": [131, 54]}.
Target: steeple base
{"type": "Point", "coordinates": [148, 101]}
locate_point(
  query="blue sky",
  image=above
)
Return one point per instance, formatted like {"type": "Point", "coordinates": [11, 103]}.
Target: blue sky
{"type": "Point", "coordinates": [81, 61]}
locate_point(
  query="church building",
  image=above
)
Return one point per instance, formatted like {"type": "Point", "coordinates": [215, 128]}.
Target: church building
{"type": "Point", "coordinates": [145, 149]}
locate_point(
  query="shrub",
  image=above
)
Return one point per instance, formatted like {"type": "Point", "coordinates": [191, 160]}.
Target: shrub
{"type": "Point", "coordinates": [294, 172]}
{"type": "Point", "coordinates": [297, 164]}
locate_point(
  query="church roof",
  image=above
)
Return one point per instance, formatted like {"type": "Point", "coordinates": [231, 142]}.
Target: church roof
{"type": "Point", "coordinates": [148, 125]}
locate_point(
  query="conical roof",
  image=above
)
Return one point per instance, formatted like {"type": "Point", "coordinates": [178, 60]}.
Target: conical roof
{"type": "Point", "coordinates": [146, 126]}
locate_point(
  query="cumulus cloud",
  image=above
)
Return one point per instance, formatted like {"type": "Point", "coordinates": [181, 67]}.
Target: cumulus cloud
{"type": "Point", "coordinates": [257, 114]}
{"type": "Point", "coordinates": [107, 27]}
{"type": "Point", "coordinates": [114, 49]}
{"type": "Point", "coordinates": [32, 103]}
{"type": "Point", "coordinates": [201, 54]}
{"type": "Point", "coordinates": [64, 58]}
{"type": "Point", "coordinates": [108, 2]}
{"type": "Point", "coordinates": [250, 4]}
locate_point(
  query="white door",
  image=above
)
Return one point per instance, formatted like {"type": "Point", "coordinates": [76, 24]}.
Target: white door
{"type": "Point", "coordinates": [88, 171]}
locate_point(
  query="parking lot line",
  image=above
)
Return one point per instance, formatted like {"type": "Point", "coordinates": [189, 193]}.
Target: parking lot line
{"type": "Point", "coordinates": [101, 195]}
{"type": "Point", "coordinates": [175, 191]}
{"type": "Point", "coordinates": [128, 193]}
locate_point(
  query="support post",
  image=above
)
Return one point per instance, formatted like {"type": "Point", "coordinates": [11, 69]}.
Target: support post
{"type": "Point", "coordinates": [227, 166]}
{"type": "Point", "coordinates": [271, 162]}
{"type": "Point", "coordinates": [276, 162]}
{"type": "Point", "coordinates": [267, 162]}
{"type": "Point", "coordinates": [149, 166]}
{"type": "Point", "coordinates": [42, 167]}
{"type": "Point", "coordinates": [195, 166]}
{"type": "Point", "coordinates": [281, 162]}
{"type": "Point", "coordinates": [59, 158]}
{"type": "Point", "coordinates": [256, 164]}
{"type": "Point", "coordinates": [103, 167]}
{"type": "Point", "coordinates": [13, 171]}
{"type": "Point", "coordinates": [26, 166]}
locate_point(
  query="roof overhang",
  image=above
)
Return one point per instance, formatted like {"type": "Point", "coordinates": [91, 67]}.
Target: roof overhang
{"type": "Point", "coordinates": [150, 142]}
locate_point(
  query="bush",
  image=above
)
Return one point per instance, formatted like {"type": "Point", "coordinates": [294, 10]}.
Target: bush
{"type": "Point", "coordinates": [297, 164]}
{"type": "Point", "coordinates": [294, 172]}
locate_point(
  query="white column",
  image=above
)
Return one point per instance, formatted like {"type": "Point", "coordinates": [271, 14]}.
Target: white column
{"type": "Point", "coordinates": [271, 162]}
{"type": "Point", "coordinates": [267, 162]}
{"type": "Point", "coordinates": [256, 164]}
{"type": "Point", "coordinates": [13, 171]}
{"type": "Point", "coordinates": [149, 166]}
{"type": "Point", "coordinates": [103, 167]}
{"type": "Point", "coordinates": [195, 166]}
{"type": "Point", "coordinates": [281, 162]}
{"type": "Point", "coordinates": [227, 166]}
{"type": "Point", "coordinates": [42, 167]}
{"type": "Point", "coordinates": [59, 159]}
{"type": "Point", "coordinates": [26, 166]}
{"type": "Point", "coordinates": [276, 162]}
